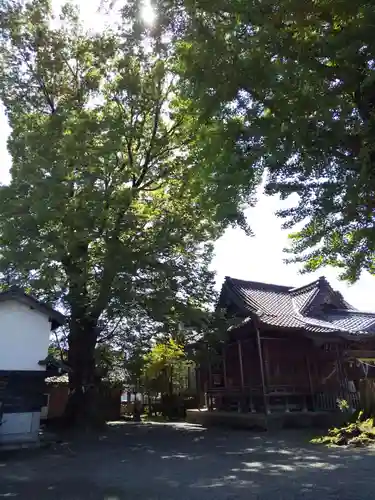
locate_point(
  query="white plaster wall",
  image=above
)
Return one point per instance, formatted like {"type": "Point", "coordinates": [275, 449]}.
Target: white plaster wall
{"type": "Point", "coordinates": [24, 337]}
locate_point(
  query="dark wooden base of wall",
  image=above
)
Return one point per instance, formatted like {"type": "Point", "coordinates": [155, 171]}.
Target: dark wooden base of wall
{"type": "Point", "coordinates": [261, 421]}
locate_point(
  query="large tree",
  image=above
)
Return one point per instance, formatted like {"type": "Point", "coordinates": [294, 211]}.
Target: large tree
{"type": "Point", "coordinates": [301, 75]}
{"type": "Point", "coordinates": [117, 189]}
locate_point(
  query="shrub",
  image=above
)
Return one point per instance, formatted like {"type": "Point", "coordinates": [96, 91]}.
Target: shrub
{"type": "Point", "coordinates": [358, 433]}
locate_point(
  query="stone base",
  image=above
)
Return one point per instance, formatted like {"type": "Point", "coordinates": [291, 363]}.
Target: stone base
{"type": "Point", "coordinates": [262, 421]}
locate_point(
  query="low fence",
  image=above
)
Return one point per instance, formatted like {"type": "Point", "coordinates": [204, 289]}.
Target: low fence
{"type": "Point", "coordinates": [280, 400]}
{"type": "Point", "coordinates": [171, 406]}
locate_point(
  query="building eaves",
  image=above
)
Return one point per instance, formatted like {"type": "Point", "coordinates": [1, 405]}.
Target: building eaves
{"type": "Point", "coordinates": [17, 294]}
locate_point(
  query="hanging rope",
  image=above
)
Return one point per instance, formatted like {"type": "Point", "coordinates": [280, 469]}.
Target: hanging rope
{"type": "Point", "coordinates": [365, 367]}
{"type": "Point", "coordinates": [324, 380]}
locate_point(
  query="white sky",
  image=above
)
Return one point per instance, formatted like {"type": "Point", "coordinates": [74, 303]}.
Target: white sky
{"type": "Point", "coordinates": [259, 258]}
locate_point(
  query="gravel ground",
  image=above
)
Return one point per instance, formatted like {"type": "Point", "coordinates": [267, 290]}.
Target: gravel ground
{"type": "Point", "coordinates": [184, 462]}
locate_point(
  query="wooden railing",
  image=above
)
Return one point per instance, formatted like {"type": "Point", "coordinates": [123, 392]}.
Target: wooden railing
{"type": "Point", "coordinates": [278, 399]}
{"type": "Point", "coordinates": [331, 401]}
{"type": "Point", "coordinates": [326, 401]}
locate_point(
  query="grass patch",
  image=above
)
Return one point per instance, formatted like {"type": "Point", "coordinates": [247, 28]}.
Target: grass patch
{"type": "Point", "coordinates": [156, 418]}
{"type": "Point", "coordinates": [160, 418]}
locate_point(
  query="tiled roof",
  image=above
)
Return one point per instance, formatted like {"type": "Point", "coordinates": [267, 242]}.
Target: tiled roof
{"type": "Point", "coordinates": [261, 296]}
{"type": "Point", "coordinates": [302, 296]}
{"type": "Point", "coordinates": [353, 320]}
{"type": "Point", "coordinates": [315, 307]}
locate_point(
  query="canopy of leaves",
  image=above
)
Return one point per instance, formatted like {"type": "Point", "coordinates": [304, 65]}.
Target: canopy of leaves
{"type": "Point", "coordinates": [118, 189]}
{"type": "Point", "coordinates": [165, 368]}
{"type": "Point", "coordinates": [300, 75]}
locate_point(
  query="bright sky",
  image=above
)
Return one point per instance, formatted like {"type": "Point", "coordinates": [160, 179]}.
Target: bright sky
{"type": "Point", "coordinates": [259, 258]}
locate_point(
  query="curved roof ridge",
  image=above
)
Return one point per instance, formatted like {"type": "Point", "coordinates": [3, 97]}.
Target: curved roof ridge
{"type": "Point", "coordinates": [307, 320]}
{"type": "Point", "coordinates": [304, 288]}
{"type": "Point", "coordinates": [242, 289]}
{"type": "Point", "coordinates": [311, 291]}
{"type": "Point", "coordinates": [352, 311]}
{"type": "Point", "coordinates": [250, 284]}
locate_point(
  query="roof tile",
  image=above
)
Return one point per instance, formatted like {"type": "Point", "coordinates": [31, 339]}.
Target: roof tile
{"type": "Point", "coordinates": [300, 308]}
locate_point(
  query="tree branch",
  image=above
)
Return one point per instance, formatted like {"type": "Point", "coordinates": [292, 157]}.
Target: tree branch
{"type": "Point", "coordinates": [109, 267]}
{"type": "Point", "coordinates": [42, 86]}
{"type": "Point", "coordinates": [155, 127]}
{"type": "Point", "coordinates": [110, 335]}
{"type": "Point", "coordinates": [127, 140]}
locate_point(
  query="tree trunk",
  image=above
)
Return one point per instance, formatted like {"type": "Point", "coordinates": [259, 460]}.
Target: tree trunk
{"type": "Point", "coordinates": [82, 408]}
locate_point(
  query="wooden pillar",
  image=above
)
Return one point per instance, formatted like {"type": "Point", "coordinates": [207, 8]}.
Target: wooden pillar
{"type": "Point", "coordinates": [261, 364]}
{"type": "Point", "coordinates": [239, 350]}
{"type": "Point", "coordinates": [310, 381]}
{"type": "Point", "coordinates": [209, 382]}
{"type": "Point", "coordinates": [251, 404]}
{"type": "Point", "coordinates": [224, 367]}
{"type": "Point", "coordinates": [343, 381]}
{"type": "Point", "coordinates": [266, 361]}
{"type": "Point", "coordinates": [209, 368]}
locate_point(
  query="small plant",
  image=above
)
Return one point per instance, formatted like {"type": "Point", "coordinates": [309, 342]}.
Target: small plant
{"type": "Point", "coordinates": [343, 405]}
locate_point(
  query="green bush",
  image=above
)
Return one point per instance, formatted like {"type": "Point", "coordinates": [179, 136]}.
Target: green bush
{"type": "Point", "coordinates": [358, 433]}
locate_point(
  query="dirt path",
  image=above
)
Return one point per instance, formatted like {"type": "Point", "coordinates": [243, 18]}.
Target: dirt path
{"type": "Point", "coordinates": [154, 461]}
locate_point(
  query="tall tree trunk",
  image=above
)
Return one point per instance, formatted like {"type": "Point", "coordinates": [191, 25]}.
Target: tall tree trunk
{"type": "Point", "coordinates": [82, 408]}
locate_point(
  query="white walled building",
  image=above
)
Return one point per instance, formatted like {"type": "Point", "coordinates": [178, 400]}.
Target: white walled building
{"type": "Point", "coordinates": [25, 328]}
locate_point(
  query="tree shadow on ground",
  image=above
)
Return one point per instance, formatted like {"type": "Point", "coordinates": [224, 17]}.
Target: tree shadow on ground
{"type": "Point", "coordinates": [170, 461]}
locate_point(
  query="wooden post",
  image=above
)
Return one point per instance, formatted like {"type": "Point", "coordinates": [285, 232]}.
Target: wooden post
{"type": "Point", "coordinates": [224, 367]}
{"type": "Point", "coordinates": [251, 405]}
{"type": "Point", "coordinates": [261, 367]}
{"type": "Point", "coordinates": [344, 393]}
{"type": "Point", "coordinates": [267, 374]}
{"type": "Point", "coordinates": [209, 382]}
{"type": "Point", "coordinates": [239, 349]}
{"type": "Point", "coordinates": [209, 369]}
{"type": "Point", "coordinates": [310, 382]}
{"type": "Point", "coordinates": [266, 361]}
{"type": "Point", "coordinates": [199, 389]}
